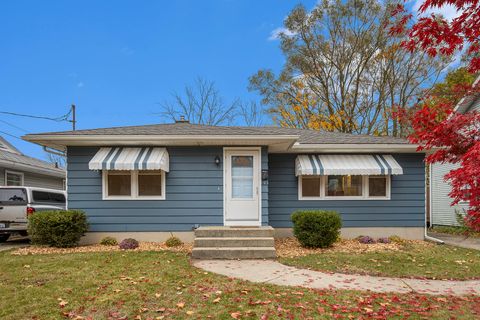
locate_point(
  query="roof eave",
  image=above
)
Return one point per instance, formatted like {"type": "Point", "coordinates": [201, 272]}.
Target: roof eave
{"type": "Point", "coordinates": [60, 173]}
{"type": "Point", "coordinates": [356, 148]}
{"type": "Point", "coordinates": [60, 142]}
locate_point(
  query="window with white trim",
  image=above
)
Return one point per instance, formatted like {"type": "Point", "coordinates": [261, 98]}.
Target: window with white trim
{"type": "Point", "coordinates": [133, 185]}
{"type": "Point", "coordinates": [13, 178]}
{"type": "Point", "coordinates": [344, 187]}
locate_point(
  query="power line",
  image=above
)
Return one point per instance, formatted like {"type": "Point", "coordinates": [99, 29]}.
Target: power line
{"type": "Point", "coordinates": [58, 119]}
{"type": "Point", "coordinates": [13, 126]}
{"type": "Point", "coordinates": [11, 135]}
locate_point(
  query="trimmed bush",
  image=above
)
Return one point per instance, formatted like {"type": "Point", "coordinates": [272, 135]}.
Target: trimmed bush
{"type": "Point", "coordinates": [109, 241]}
{"type": "Point", "coordinates": [61, 228]}
{"type": "Point", "coordinates": [128, 244]}
{"type": "Point", "coordinates": [173, 242]}
{"type": "Point", "coordinates": [316, 228]}
{"type": "Point", "coordinates": [366, 240]}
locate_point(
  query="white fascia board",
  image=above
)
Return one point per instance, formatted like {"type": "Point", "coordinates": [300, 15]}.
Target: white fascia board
{"type": "Point", "coordinates": [355, 148]}
{"type": "Point", "coordinates": [60, 142]}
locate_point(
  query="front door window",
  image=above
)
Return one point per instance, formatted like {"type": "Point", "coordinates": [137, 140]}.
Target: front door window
{"type": "Point", "coordinates": [242, 177]}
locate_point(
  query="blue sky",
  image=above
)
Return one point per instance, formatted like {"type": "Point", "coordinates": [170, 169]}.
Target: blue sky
{"type": "Point", "coordinates": [116, 60]}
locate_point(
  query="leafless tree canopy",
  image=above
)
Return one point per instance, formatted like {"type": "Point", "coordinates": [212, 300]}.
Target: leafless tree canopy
{"type": "Point", "coordinates": [202, 103]}
{"type": "Point", "coordinates": [354, 73]}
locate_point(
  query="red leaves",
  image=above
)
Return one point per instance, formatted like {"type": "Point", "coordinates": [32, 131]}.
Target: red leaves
{"type": "Point", "coordinates": [452, 138]}
{"type": "Point", "coordinates": [436, 35]}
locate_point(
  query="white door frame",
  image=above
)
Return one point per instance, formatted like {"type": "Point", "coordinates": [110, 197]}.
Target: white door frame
{"type": "Point", "coordinates": [259, 175]}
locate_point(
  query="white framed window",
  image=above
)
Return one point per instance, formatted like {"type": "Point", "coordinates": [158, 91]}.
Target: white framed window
{"type": "Point", "coordinates": [344, 187]}
{"type": "Point", "coordinates": [133, 185]}
{"type": "Point", "coordinates": [13, 178]}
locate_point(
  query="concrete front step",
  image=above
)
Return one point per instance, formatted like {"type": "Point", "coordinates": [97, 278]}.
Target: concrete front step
{"type": "Point", "coordinates": [234, 242]}
{"type": "Point", "coordinates": [234, 253]}
{"type": "Point", "coordinates": [220, 232]}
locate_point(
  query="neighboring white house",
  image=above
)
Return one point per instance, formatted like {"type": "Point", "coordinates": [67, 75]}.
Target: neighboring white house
{"type": "Point", "coordinates": [441, 211]}
{"type": "Point", "coordinates": [17, 169]}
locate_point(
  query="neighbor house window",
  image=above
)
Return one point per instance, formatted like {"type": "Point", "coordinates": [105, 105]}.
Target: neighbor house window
{"type": "Point", "coordinates": [13, 178]}
{"type": "Point", "coordinates": [345, 187]}
{"type": "Point", "coordinates": [136, 185]}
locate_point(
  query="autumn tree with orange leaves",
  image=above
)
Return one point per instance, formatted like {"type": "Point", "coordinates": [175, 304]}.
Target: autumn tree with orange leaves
{"type": "Point", "coordinates": [343, 71]}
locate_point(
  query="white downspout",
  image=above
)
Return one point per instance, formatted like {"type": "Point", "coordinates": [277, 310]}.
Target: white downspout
{"type": "Point", "coordinates": [426, 236]}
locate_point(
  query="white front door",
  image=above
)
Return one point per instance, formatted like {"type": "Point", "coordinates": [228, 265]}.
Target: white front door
{"type": "Point", "coordinates": [242, 194]}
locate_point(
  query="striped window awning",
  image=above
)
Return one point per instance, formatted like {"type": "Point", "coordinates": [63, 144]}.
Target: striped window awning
{"type": "Point", "coordinates": [118, 158]}
{"type": "Point", "coordinates": [314, 164]}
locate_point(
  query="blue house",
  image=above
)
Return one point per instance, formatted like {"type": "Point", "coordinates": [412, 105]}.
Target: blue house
{"type": "Point", "coordinates": [150, 181]}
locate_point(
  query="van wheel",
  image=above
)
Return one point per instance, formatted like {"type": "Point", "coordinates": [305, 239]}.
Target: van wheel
{"type": "Point", "coordinates": [4, 237]}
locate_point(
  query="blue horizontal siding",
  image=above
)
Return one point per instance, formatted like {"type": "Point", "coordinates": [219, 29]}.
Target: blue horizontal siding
{"type": "Point", "coordinates": [194, 194]}
{"type": "Point", "coordinates": [405, 209]}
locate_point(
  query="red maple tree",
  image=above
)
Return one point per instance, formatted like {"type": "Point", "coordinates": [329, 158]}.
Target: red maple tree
{"type": "Point", "coordinates": [449, 136]}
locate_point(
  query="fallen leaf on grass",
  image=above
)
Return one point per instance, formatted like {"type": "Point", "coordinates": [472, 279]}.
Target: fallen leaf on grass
{"type": "Point", "coordinates": [236, 315]}
{"type": "Point", "coordinates": [181, 305]}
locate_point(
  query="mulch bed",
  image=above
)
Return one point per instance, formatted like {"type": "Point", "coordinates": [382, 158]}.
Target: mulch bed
{"type": "Point", "coordinates": [144, 246]}
{"type": "Point", "coordinates": [290, 247]}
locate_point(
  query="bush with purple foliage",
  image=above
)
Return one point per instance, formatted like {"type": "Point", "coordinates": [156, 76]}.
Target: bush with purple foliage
{"type": "Point", "coordinates": [366, 240]}
{"type": "Point", "coordinates": [383, 240]}
{"type": "Point", "coordinates": [128, 244]}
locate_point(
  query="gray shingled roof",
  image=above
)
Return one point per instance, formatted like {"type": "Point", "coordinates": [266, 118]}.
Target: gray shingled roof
{"type": "Point", "coordinates": [187, 129]}
{"type": "Point", "coordinates": [35, 164]}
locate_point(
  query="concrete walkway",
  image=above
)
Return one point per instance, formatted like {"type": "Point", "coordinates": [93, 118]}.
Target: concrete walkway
{"type": "Point", "coordinates": [458, 241]}
{"type": "Point", "coordinates": [269, 271]}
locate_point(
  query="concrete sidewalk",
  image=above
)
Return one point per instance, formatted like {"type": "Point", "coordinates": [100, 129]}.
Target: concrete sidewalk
{"type": "Point", "coordinates": [458, 241]}
{"type": "Point", "coordinates": [269, 271]}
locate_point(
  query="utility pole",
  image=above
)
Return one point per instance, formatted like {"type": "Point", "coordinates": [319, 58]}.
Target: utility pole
{"type": "Point", "coordinates": [74, 121]}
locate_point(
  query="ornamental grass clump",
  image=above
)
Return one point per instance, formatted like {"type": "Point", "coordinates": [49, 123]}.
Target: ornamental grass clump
{"type": "Point", "coordinates": [316, 228]}
{"type": "Point", "coordinates": [109, 241]}
{"type": "Point", "coordinates": [128, 244]}
{"type": "Point", "coordinates": [173, 242]}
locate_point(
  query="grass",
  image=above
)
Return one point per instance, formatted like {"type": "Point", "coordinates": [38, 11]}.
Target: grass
{"type": "Point", "coordinates": [163, 285]}
{"type": "Point", "coordinates": [462, 231]}
{"type": "Point", "coordinates": [418, 261]}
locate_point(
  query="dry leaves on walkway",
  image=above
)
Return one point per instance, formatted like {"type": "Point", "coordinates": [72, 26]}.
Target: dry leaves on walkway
{"type": "Point", "coordinates": [289, 247]}
{"type": "Point", "coordinates": [144, 246]}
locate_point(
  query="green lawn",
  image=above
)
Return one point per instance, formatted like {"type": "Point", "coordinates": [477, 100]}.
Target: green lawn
{"type": "Point", "coordinates": [435, 262]}
{"type": "Point", "coordinates": [163, 285]}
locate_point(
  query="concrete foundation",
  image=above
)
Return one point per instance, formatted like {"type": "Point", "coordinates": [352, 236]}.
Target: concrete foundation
{"type": "Point", "coordinates": [415, 233]}
{"type": "Point", "coordinates": [95, 237]}
{"type": "Point", "coordinates": [188, 236]}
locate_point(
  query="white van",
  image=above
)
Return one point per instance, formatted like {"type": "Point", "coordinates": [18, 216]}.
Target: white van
{"type": "Point", "coordinates": [17, 203]}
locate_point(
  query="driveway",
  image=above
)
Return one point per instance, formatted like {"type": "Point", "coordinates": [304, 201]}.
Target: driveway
{"type": "Point", "coordinates": [458, 241]}
{"type": "Point", "coordinates": [15, 242]}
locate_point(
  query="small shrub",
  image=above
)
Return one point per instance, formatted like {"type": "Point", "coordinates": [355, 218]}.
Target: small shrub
{"type": "Point", "coordinates": [383, 240]}
{"type": "Point", "coordinates": [109, 241]}
{"type": "Point", "coordinates": [173, 242]}
{"type": "Point", "coordinates": [128, 244]}
{"type": "Point", "coordinates": [396, 239]}
{"type": "Point", "coordinates": [316, 228]}
{"type": "Point", "coordinates": [366, 240]}
{"type": "Point", "coordinates": [60, 228]}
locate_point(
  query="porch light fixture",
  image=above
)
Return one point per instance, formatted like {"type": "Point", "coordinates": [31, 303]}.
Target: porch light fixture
{"type": "Point", "coordinates": [217, 160]}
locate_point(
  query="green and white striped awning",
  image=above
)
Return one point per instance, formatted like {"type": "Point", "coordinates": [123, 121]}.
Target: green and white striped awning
{"type": "Point", "coordinates": [142, 158]}
{"type": "Point", "coordinates": [346, 164]}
